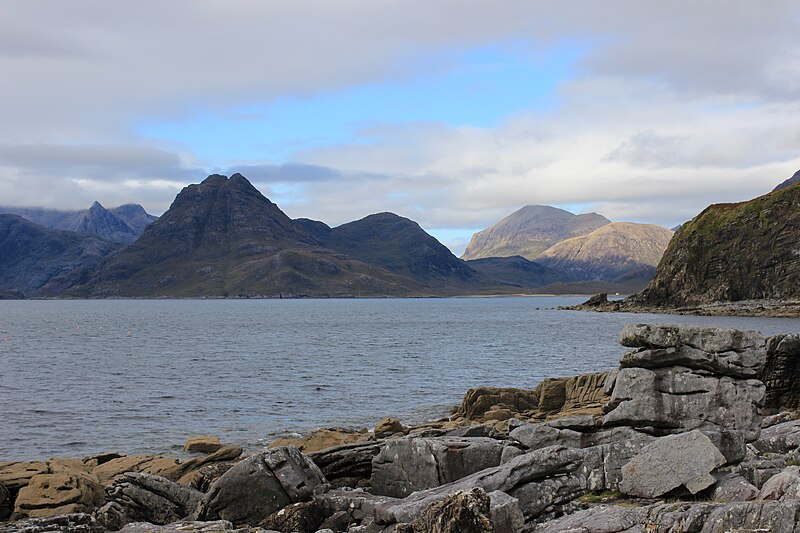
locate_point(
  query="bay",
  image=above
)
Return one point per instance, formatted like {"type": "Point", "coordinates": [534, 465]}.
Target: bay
{"type": "Point", "coordinates": [139, 376]}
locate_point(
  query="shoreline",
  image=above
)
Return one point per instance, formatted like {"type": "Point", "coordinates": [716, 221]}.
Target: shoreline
{"type": "Point", "coordinates": [766, 308]}
{"type": "Point", "coordinates": [563, 456]}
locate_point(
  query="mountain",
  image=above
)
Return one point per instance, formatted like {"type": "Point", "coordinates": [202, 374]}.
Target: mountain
{"type": "Point", "coordinates": [39, 261]}
{"type": "Point", "coordinates": [134, 216]}
{"type": "Point", "coordinates": [97, 220]}
{"type": "Point", "coordinates": [788, 183]}
{"type": "Point", "coordinates": [732, 252]}
{"type": "Point", "coordinates": [399, 245]}
{"type": "Point", "coordinates": [617, 250]}
{"type": "Point", "coordinates": [223, 237]}
{"type": "Point", "coordinates": [122, 224]}
{"type": "Point", "coordinates": [530, 231]}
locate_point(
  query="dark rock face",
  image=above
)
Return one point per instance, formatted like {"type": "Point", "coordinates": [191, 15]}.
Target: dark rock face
{"type": "Point", "coordinates": [518, 271]}
{"type": "Point", "coordinates": [303, 517]}
{"type": "Point", "coordinates": [348, 465]}
{"type": "Point", "coordinates": [38, 261]}
{"type": "Point", "coordinates": [530, 231]}
{"type": "Point", "coordinates": [147, 498]}
{"type": "Point", "coordinates": [780, 373]}
{"type": "Point", "coordinates": [261, 485]}
{"type": "Point", "coordinates": [406, 465]}
{"type": "Point", "coordinates": [732, 252]}
{"type": "Point", "coordinates": [97, 220]}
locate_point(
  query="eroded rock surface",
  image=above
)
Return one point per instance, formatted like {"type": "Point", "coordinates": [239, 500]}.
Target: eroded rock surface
{"type": "Point", "coordinates": [261, 485]}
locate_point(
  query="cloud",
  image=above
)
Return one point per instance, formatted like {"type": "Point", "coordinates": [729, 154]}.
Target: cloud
{"type": "Point", "coordinates": [669, 107]}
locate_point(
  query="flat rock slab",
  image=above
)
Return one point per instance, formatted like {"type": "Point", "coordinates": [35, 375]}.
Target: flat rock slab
{"type": "Point", "coordinates": [686, 459]}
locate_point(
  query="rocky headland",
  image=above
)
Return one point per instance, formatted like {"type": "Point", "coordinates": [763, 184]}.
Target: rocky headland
{"type": "Point", "coordinates": [731, 259]}
{"type": "Point", "coordinates": [695, 431]}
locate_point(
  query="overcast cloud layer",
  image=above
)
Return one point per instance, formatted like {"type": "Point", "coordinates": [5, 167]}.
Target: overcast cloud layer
{"type": "Point", "coordinates": [667, 107]}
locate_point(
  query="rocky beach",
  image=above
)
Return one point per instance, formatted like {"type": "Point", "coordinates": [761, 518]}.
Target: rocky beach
{"type": "Point", "coordinates": [695, 431]}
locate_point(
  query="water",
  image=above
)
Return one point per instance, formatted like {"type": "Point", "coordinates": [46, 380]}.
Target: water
{"type": "Point", "coordinates": [81, 377]}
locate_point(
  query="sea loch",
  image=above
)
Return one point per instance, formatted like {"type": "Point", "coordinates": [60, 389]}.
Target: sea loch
{"type": "Point", "coordinates": [81, 377]}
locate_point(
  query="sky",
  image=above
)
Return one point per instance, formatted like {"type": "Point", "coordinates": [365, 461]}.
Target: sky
{"type": "Point", "coordinates": [453, 113]}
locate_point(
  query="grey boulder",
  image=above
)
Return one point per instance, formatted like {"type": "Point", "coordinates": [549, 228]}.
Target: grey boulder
{"type": "Point", "coordinates": [407, 465]}
{"type": "Point", "coordinates": [685, 460]}
{"type": "Point", "coordinates": [783, 486]}
{"type": "Point", "coordinates": [261, 485]}
{"type": "Point", "coordinates": [135, 497]}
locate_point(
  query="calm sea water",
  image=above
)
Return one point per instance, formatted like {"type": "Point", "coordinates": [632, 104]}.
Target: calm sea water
{"type": "Point", "coordinates": [81, 377]}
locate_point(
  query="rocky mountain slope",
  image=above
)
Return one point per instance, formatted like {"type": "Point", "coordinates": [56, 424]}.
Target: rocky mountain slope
{"type": "Point", "coordinates": [732, 252]}
{"type": "Point", "coordinates": [38, 261]}
{"type": "Point", "coordinates": [123, 224]}
{"type": "Point", "coordinates": [399, 245]}
{"type": "Point", "coordinates": [789, 182]}
{"type": "Point", "coordinates": [530, 231]}
{"type": "Point", "coordinates": [222, 237]}
{"type": "Point", "coordinates": [614, 251]}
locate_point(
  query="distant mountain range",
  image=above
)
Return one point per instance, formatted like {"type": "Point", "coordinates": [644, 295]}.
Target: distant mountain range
{"type": "Point", "coordinates": [123, 224]}
{"type": "Point", "coordinates": [222, 237]}
{"type": "Point", "coordinates": [789, 182]}
{"type": "Point", "coordinates": [545, 247]}
{"type": "Point", "coordinates": [530, 231]}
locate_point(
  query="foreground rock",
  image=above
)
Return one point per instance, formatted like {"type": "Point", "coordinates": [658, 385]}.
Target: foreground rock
{"type": "Point", "coordinates": [60, 493]}
{"type": "Point", "coordinates": [460, 512]}
{"type": "Point", "coordinates": [404, 466]}
{"type": "Point", "coordinates": [136, 497]}
{"type": "Point", "coordinates": [682, 378]}
{"type": "Point", "coordinates": [261, 485]}
{"type": "Point", "coordinates": [682, 419]}
{"type": "Point", "coordinates": [678, 460]}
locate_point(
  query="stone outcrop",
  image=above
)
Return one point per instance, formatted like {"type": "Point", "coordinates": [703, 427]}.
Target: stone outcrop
{"type": "Point", "coordinates": [681, 378]}
{"type": "Point", "coordinates": [59, 493]}
{"type": "Point", "coordinates": [349, 465]}
{"type": "Point", "coordinates": [261, 485]}
{"type": "Point", "coordinates": [583, 394]}
{"type": "Point", "coordinates": [64, 523]}
{"type": "Point", "coordinates": [780, 373]}
{"type": "Point", "coordinates": [137, 497]}
{"type": "Point", "coordinates": [684, 460]}
{"type": "Point", "coordinates": [406, 465]}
